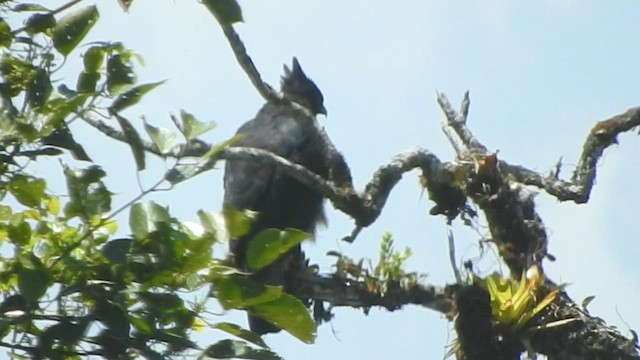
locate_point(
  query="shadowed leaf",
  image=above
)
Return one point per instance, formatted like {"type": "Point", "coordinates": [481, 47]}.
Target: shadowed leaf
{"type": "Point", "coordinates": [72, 28]}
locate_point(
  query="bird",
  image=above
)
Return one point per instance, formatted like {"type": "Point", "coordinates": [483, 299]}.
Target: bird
{"type": "Point", "coordinates": [289, 131]}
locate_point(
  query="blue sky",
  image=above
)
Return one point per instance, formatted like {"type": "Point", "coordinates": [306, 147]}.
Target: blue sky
{"type": "Point", "coordinates": [540, 74]}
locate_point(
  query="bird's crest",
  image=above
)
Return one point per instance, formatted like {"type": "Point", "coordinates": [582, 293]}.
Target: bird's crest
{"type": "Point", "coordinates": [296, 86]}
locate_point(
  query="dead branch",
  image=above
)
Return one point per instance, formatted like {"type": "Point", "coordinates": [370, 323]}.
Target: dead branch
{"type": "Point", "coordinates": [601, 136]}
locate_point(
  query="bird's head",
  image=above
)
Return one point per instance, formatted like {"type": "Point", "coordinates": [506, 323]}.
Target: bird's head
{"type": "Point", "coordinates": [297, 87]}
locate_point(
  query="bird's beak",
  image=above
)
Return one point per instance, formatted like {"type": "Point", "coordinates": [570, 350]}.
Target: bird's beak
{"type": "Point", "coordinates": [323, 111]}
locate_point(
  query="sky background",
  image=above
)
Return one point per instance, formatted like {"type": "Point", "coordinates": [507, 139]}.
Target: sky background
{"type": "Point", "coordinates": [540, 74]}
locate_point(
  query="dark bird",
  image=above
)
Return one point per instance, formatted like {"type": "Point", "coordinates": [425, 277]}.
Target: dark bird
{"type": "Point", "coordinates": [281, 201]}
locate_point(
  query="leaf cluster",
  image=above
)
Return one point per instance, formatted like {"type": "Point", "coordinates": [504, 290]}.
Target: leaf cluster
{"type": "Point", "coordinates": [71, 287]}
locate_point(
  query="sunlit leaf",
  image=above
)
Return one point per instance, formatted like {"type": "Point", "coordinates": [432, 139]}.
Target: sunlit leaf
{"type": "Point", "coordinates": [144, 216]}
{"type": "Point", "coordinates": [59, 108]}
{"type": "Point", "coordinates": [238, 291]}
{"type": "Point", "coordinates": [93, 59]}
{"type": "Point", "coordinates": [163, 139]}
{"type": "Point", "coordinates": [192, 127]}
{"type": "Point", "coordinates": [140, 324]}
{"type": "Point", "coordinates": [28, 191]}
{"type": "Point", "coordinates": [72, 28]}
{"type": "Point", "coordinates": [5, 34]}
{"type": "Point", "coordinates": [87, 82]}
{"type": "Point", "coordinates": [270, 244]}
{"type": "Point", "coordinates": [290, 314]}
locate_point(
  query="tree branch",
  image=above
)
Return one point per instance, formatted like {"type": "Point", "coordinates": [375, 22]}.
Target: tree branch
{"type": "Point", "coordinates": [345, 292]}
{"type": "Point", "coordinates": [601, 136]}
{"type": "Point", "coordinates": [520, 236]}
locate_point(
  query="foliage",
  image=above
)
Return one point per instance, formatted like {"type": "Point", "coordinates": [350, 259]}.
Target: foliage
{"type": "Point", "coordinates": [71, 287]}
{"type": "Point", "coordinates": [388, 271]}
{"type": "Point", "coordinates": [513, 302]}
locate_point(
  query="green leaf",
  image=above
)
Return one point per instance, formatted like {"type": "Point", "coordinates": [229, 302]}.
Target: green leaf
{"type": "Point", "coordinates": [163, 139]}
{"type": "Point", "coordinates": [62, 138]}
{"type": "Point", "coordinates": [5, 34]}
{"type": "Point", "coordinates": [120, 75]}
{"type": "Point", "coordinates": [193, 128]}
{"type": "Point", "coordinates": [5, 212]}
{"type": "Point", "coordinates": [586, 301]}
{"type": "Point", "coordinates": [181, 173]}
{"type": "Point", "coordinates": [39, 88]}
{"type": "Point", "coordinates": [270, 244]}
{"type": "Point", "coordinates": [227, 12]}
{"type": "Point", "coordinates": [140, 324]}
{"type": "Point", "coordinates": [244, 334]}
{"type": "Point", "coordinates": [38, 23]}
{"type": "Point", "coordinates": [132, 96]}
{"type": "Point", "coordinates": [88, 196]}
{"type": "Point", "coordinates": [87, 82]}
{"type": "Point", "coordinates": [116, 250]}
{"type": "Point", "coordinates": [28, 191]}
{"type": "Point", "coordinates": [237, 222]}
{"type": "Point", "coordinates": [163, 302]}
{"type": "Point", "coordinates": [29, 7]}
{"type": "Point", "coordinates": [93, 59]}
{"type": "Point", "coordinates": [237, 291]}
{"type": "Point", "coordinates": [214, 151]}
{"type": "Point", "coordinates": [236, 349]}
{"type": "Point", "coordinates": [59, 108]}
{"type": "Point", "coordinates": [32, 282]}
{"type": "Point", "coordinates": [290, 314]}
{"type": "Point", "coordinates": [20, 233]}
{"type": "Point", "coordinates": [134, 141]}
{"type": "Point", "coordinates": [144, 216]}
{"type": "Point", "coordinates": [72, 28]}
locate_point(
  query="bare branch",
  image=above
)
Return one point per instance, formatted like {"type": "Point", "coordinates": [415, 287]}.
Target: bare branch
{"type": "Point", "coordinates": [458, 122]}
{"type": "Point", "coordinates": [239, 50]}
{"type": "Point", "coordinates": [602, 135]}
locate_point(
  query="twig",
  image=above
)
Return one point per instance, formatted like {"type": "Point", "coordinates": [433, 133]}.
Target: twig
{"type": "Point", "coordinates": [245, 62]}
{"type": "Point", "coordinates": [452, 256]}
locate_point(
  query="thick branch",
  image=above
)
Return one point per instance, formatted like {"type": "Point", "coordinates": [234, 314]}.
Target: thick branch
{"type": "Point", "coordinates": [584, 338]}
{"type": "Point", "coordinates": [363, 208]}
{"type": "Point", "coordinates": [343, 292]}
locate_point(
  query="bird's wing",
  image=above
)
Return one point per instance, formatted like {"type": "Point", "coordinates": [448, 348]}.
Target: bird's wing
{"type": "Point", "coordinates": [246, 182]}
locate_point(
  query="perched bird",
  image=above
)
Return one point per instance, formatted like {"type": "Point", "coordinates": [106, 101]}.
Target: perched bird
{"type": "Point", "coordinates": [280, 200]}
